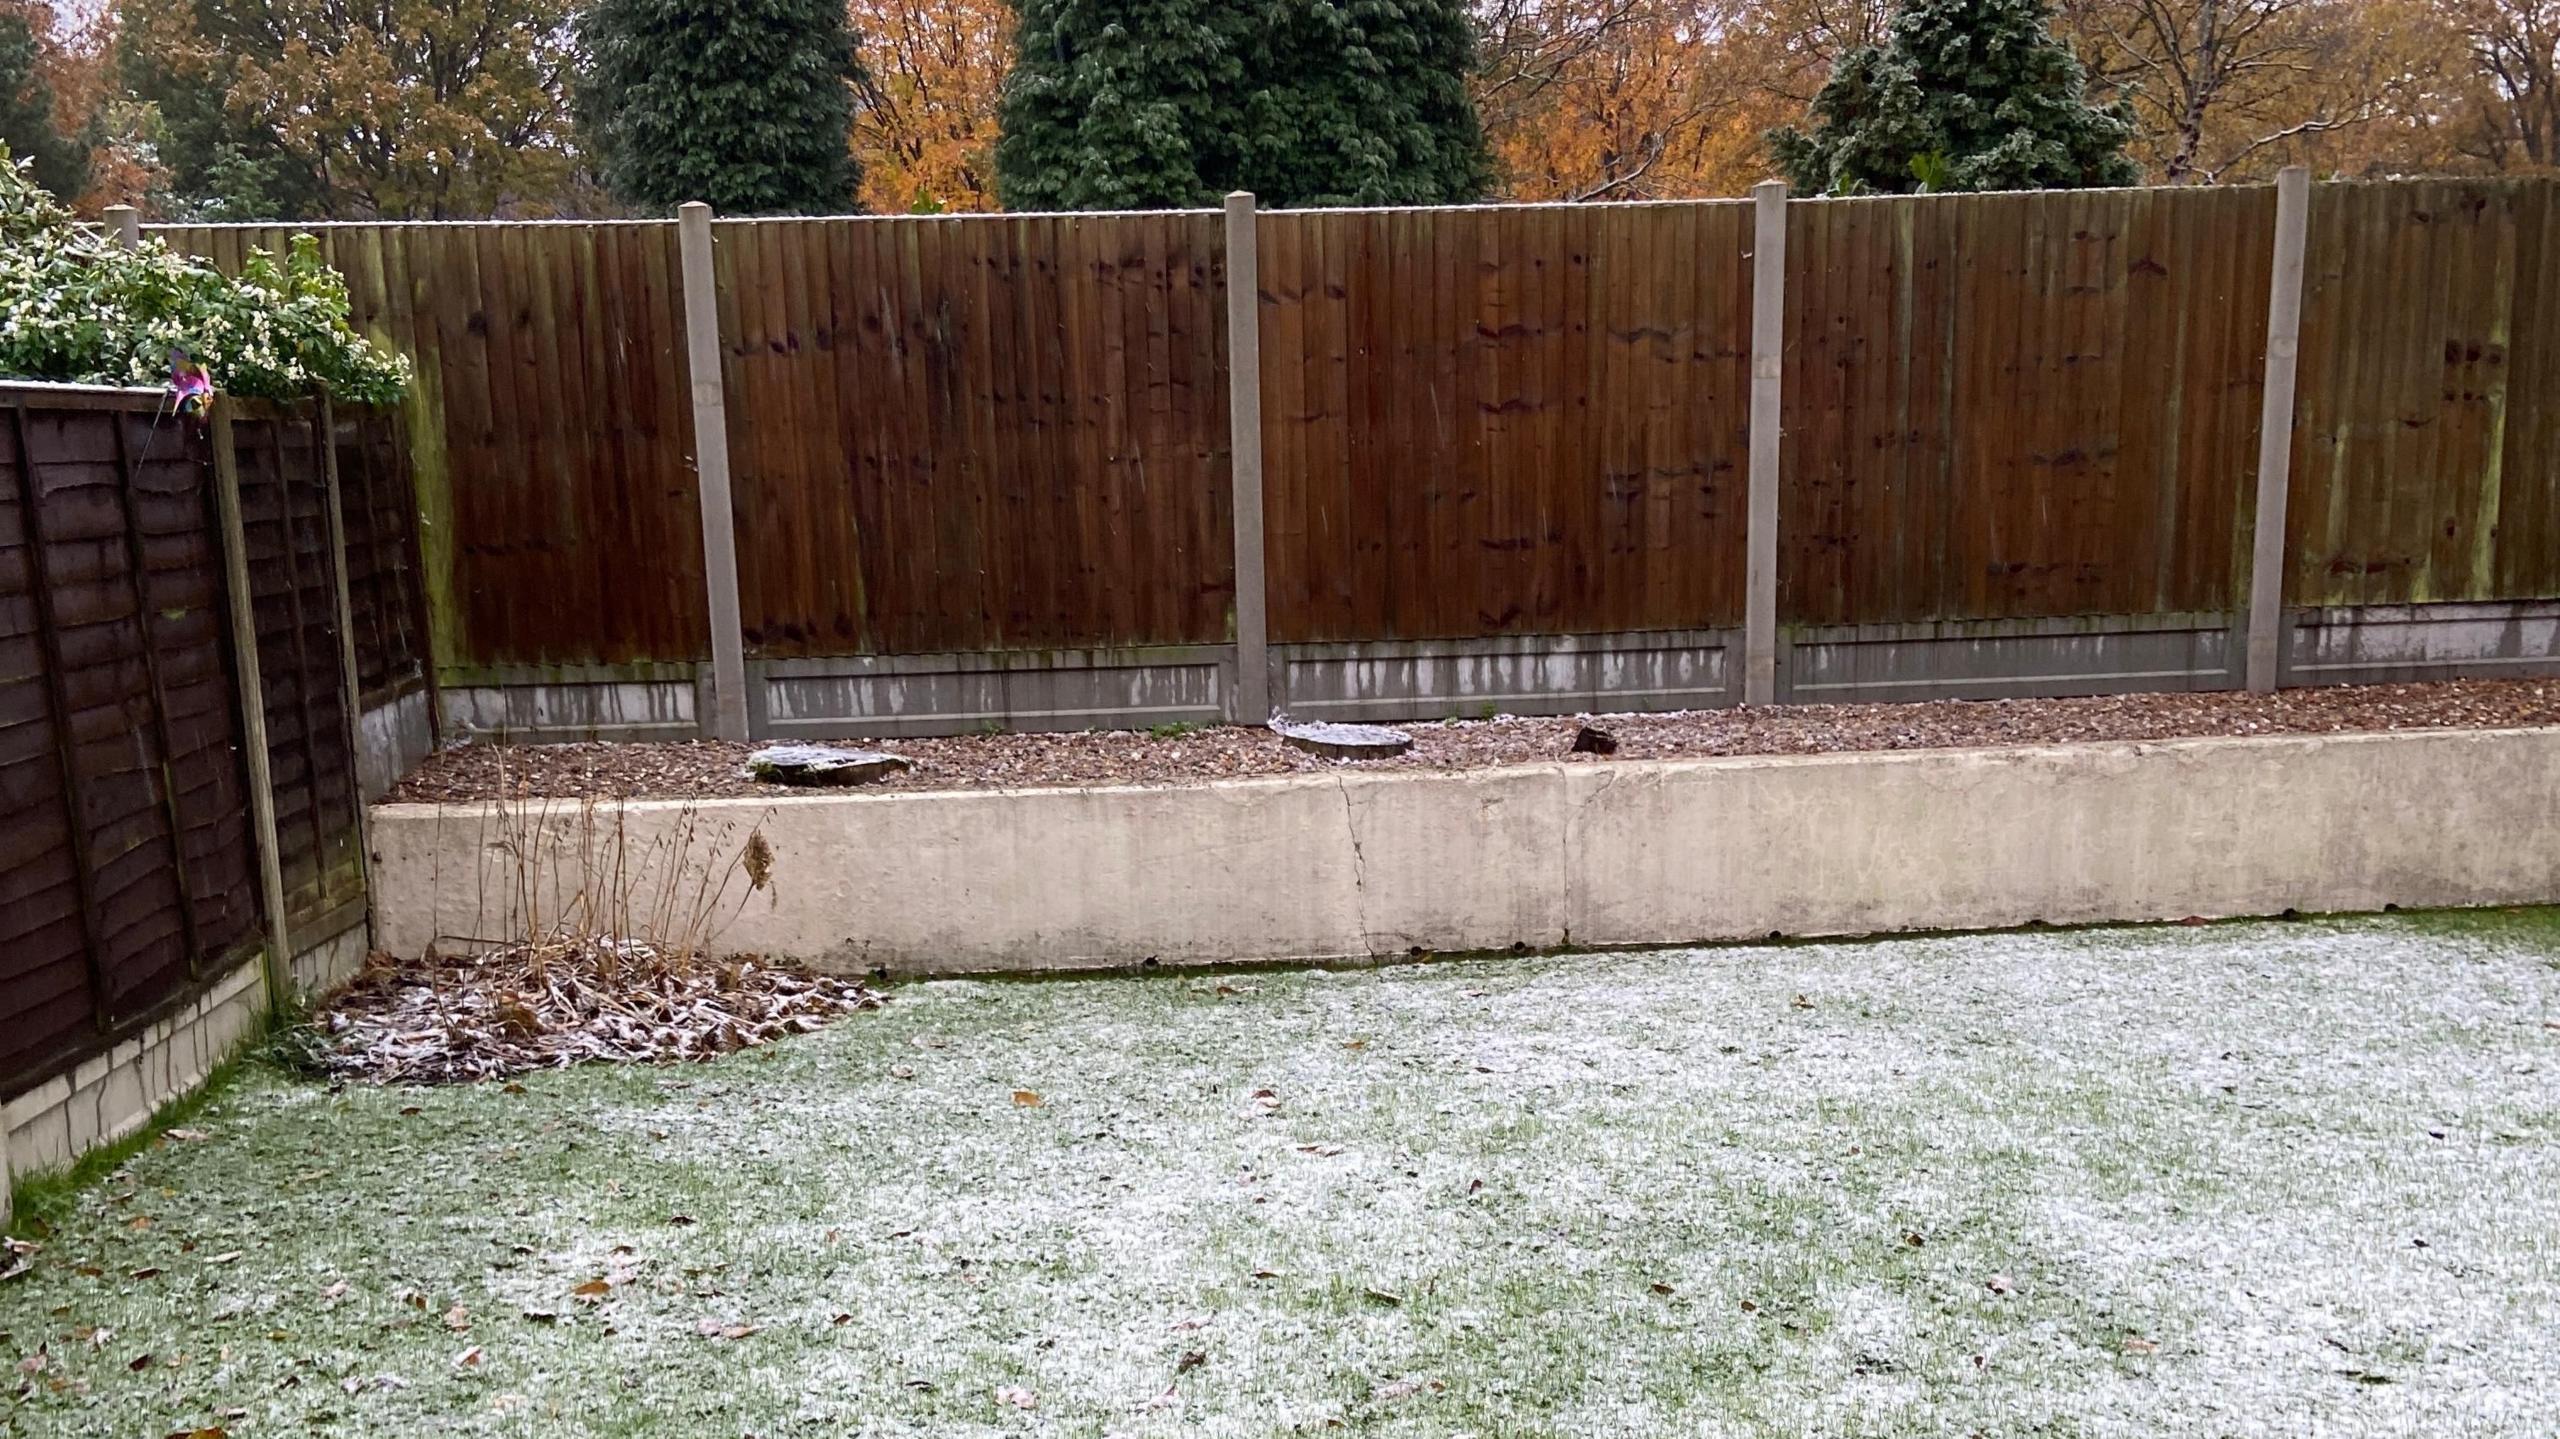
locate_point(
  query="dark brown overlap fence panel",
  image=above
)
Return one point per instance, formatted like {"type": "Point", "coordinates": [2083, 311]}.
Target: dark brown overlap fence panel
{"type": "Point", "coordinates": [2426, 457]}
{"type": "Point", "coordinates": [1505, 420]}
{"type": "Point", "coordinates": [549, 430]}
{"type": "Point", "coordinates": [995, 433]}
{"type": "Point", "coordinates": [2009, 406]}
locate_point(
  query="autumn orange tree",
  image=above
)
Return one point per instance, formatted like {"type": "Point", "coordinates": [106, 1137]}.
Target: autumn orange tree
{"type": "Point", "coordinates": [1634, 98]}
{"type": "Point", "coordinates": [925, 119]}
{"type": "Point", "coordinates": [414, 109]}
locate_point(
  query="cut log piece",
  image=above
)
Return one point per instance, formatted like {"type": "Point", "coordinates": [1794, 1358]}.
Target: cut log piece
{"type": "Point", "coordinates": [817, 765]}
{"type": "Point", "coordinates": [1344, 741]}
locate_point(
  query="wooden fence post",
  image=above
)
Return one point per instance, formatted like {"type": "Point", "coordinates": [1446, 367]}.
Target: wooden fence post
{"type": "Point", "coordinates": [1768, 350]}
{"type": "Point", "coordinates": [253, 704]}
{"type": "Point", "coordinates": [125, 222]}
{"type": "Point", "coordinates": [1251, 704]}
{"type": "Point", "coordinates": [2275, 428]}
{"type": "Point", "coordinates": [728, 716]}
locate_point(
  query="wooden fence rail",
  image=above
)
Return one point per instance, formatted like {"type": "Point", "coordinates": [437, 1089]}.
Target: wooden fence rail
{"type": "Point", "coordinates": [2002, 418]}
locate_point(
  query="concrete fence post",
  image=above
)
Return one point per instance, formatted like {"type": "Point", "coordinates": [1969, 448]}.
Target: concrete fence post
{"type": "Point", "coordinates": [125, 223]}
{"type": "Point", "coordinates": [2275, 429]}
{"type": "Point", "coordinates": [726, 717]}
{"type": "Point", "coordinates": [1768, 353]}
{"type": "Point", "coordinates": [1251, 703]}
{"type": "Point", "coordinates": [242, 604]}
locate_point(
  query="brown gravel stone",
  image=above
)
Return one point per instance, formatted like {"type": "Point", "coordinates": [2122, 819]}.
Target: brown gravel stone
{"type": "Point", "coordinates": [710, 768]}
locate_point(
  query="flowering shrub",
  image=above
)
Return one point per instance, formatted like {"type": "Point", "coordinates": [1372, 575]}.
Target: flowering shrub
{"type": "Point", "coordinates": [77, 305]}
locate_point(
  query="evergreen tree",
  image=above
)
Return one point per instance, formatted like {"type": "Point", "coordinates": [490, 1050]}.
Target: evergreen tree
{"type": "Point", "coordinates": [746, 104]}
{"type": "Point", "coordinates": [1120, 104]}
{"type": "Point", "coordinates": [58, 162]}
{"type": "Point", "coordinates": [1963, 95]}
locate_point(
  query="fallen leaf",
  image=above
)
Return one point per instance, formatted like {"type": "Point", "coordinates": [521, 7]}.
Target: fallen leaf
{"type": "Point", "coordinates": [223, 1258]}
{"type": "Point", "coordinates": [1185, 1326]}
{"type": "Point", "coordinates": [148, 1271]}
{"type": "Point", "coordinates": [542, 1316]}
{"type": "Point", "coordinates": [1018, 1397]}
{"type": "Point", "coordinates": [138, 1363]}
{"type": "Point", "coordinates": [1803, 1003]}
{"type": "Point", "coordinates": [1383, 1296]}
{"type": "Point", "coordinates": [1027, 1098]}
{"type": "Point", "coordinates": [714, 1329]}
{"type": "Point", "coordinates": [902, 1071]}
{"type": "Point", "coordinates": [841, 1320]}
{"type": "Point", "coordinates": [679, 1219]}
{"type": "Point", "coordinates": [511, 1087]}
{"type": "Point", "coordinates": [1266, 1274]}
{"type": "Point", "coordinates": [457, 1318]}
{"type": "Point", "coordinates": [335, 1291]}
{"type": "Point", "coordinates": [1355, 1044]}
{"type": "Point", "coordinates": [468, 1358]}
{"type": "Point", "coordinates": [2136, 1344]}
{"type": "Point", "coordinates": [1189, 1361]}
{"type": "Point", "coordinates": [1399, 1389]}
{"type": "Point", "coordinates": [1997, 1284]}
{"type": "Point", "coordinates": [186, 1136]}
{"type": "Point", "coordinates": [592, 1290]}
{"type": "Point", "coordinates": [412, 1110]}
{"type": "Point", "coordinates": [1169, 1399]}
{"type": "Point", "coordinates": [1659, 1287]}
{"type": "Point", "coordinates": [33, 1363]}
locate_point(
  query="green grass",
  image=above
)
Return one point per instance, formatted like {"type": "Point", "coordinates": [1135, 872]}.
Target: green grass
{"type": "Point", "coordinates": [2160, 1181]}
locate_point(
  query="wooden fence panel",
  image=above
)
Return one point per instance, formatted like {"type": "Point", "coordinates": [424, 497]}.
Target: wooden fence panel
{"type": "Point", "coordinates": [2426, 456]}
{"type": "Point", "coordinates": [125, 864]}
{"type": "Point", "coordinates": [551, 427]}
{"type": "Point", "coordinates": [284, 515]}
{"type": "Point", "coordinates": [977, 434]}
{"type": "Point", "coordinates": [2010, 406]}
{"type": "Point", "coordinates": [386, 597]}
{"type": "Point", "coordinates": [1515, 420]}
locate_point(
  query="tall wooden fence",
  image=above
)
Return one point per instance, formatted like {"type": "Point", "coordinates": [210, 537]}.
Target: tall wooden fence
{"type": "Point", "coordinates": [1516, 440]}
{"type": "Point", "coordinates": [130, 865]}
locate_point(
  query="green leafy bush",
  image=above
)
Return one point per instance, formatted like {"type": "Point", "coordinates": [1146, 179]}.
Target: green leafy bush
{"type": "Point", "coordinates": [77, 305]}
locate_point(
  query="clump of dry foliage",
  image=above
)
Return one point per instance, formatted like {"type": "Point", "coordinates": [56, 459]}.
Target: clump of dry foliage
{"type": "Point", "coordinates": [605, 954]}
{"type": "Point", "coordinates": [549, 1003]}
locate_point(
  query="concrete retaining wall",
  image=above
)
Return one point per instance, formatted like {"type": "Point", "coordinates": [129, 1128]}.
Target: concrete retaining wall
{"type": "Point", "coordinates": [1621, 853]}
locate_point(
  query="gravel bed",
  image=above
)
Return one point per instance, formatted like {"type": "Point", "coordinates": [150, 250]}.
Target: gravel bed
{"type": "Point", "coordinates": [711, 768]}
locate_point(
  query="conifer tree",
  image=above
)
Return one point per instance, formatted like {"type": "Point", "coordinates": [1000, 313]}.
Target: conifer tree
{"type": "Point", "coordinates": [1120, 104]}
{"type": "Point", "coordinates": [1963, 95]}
{"type": "Point", "coordinates": [746, 104]}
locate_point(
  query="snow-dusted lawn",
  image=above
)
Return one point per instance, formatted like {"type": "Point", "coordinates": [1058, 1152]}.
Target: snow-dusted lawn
{"type": "Point", "coordinates": [2248, 1179]}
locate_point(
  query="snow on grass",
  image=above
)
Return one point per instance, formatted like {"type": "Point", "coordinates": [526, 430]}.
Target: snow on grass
{"type": "Point", "coordinates": [2243, 1179]}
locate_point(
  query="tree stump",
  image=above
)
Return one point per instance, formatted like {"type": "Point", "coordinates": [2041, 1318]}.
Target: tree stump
{"type": "Point", "coordinates": [1343, 741]}
{"type": "Point", "coordinates": [817, 766]}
